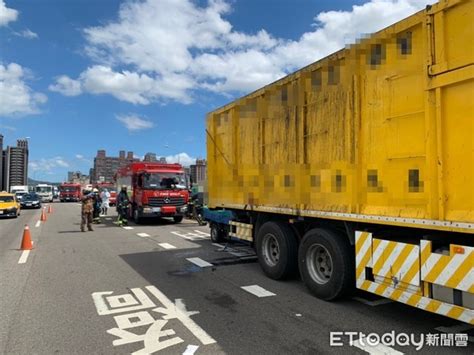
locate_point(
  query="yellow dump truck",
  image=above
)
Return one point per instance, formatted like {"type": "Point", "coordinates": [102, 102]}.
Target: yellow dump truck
{"type": "Point", "coordinates": [358, 170]}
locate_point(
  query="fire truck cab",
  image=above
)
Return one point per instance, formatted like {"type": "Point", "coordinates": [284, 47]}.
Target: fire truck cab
{"type": "Point", "coordinates": [155, 190]}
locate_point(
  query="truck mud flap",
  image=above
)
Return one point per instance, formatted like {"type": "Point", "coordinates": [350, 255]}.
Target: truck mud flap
{"type": "Point", "coordinates": [415, 275]}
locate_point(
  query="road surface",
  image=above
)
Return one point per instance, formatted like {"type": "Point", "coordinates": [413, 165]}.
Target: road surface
{"type": "Point", "coordinates": [165, 288]}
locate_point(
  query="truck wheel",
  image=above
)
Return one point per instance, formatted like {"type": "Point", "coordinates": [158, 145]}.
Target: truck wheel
{"type": "Point", "coordinates": [217, 235]}
{"type": "Point", "coordinates": [277, 250]}
{"type": "Point", "coordinates": [136, 216]}
{"type": "Point", "coordinates": [177, 219]}
{"type": "Point", "coordinates": [326, 264]}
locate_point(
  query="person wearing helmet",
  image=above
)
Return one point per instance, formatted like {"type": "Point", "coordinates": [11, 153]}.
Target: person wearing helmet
{"type": "Point", "coordinates": [122, 206]}
{"type": "Point", "coordinates": [105, 196]}
{"type": "Point", "coordinates": [97, 205]}
{"type": "Point", "coordinates": [86, 212]}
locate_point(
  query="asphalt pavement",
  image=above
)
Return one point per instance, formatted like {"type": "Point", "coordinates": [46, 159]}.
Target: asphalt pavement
{"type": "Point", "coordinates": [166, 288]}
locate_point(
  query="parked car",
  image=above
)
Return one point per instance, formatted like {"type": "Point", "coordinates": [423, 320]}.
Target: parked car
{"type": "Point", "coordinates": [9, 206]}
{"type": "Point", "coordinates": [20, 194]}
{"type": "Point", "coordinates": [31, 200]}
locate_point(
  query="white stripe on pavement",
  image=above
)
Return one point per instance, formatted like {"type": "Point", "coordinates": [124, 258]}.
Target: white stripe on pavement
{"type": "Point", "coordinates": [190, 350]}
{"type": "Point", "coordinates": [379, 349]}
{"type": "Point", "coordinates": [127, 228]}
{"type": "Point", "coordinates": [143, 235]}
{"type": "Point", "coordinates": [199, 262]}
{"type": "Point", "coordinates": [24, 256]}
{"type": "Point", "coordinates": [258, 291]}
{"type": "Point", "coordinates": [203, 233]}
{"type": "Point", "coordinates": [166, 246]}
{"type": "Point", "coordinates": [38, 224]}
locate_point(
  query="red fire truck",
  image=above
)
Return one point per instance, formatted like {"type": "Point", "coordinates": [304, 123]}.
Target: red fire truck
{"type": "Point", "coordinates": [155, 190]}
{"type": "Point", "coordinates": [70, 192]}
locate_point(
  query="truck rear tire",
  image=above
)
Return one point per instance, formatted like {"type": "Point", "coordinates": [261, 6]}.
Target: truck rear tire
{"type": "Point", "coordinates": [277, 250]}
{"type": "Point", "coordinates": [177, 219]}
{"type": "Point", "coordinates": [326, 263]}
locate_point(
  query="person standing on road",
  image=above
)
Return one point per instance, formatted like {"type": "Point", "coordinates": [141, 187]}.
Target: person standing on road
{"type": "Point", "coordinates": [105, 195]}
{"type": "Point", "coordinates": [87, 209]}
{"type": "Point", "coordinates": [97, 204]}
{"type": "Point", "coordinates": [122, 205]}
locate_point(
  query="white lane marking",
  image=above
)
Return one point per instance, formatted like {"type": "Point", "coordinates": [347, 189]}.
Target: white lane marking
{"type": "Point", "coordinates": [166, 246]}
{"type": "Point", "coordinates": [218, 245]}
{"type": "Point", "coordinates": [180, 312]}
{"type": "Point", "coordinates": [127, 228]}
{"type": "Point", "coordinates": [190, 350]}
{"type": "Point", "coordinates": [379, 349]}
{"type": "Point", "coordinates": [101, 299]}
{"type": "Point", "coordinates": [373, 303]}
{"type": "Point", "coordinates": [38, 224]}
{"type": "Point", "coordinates": [298, 314]}
{"type": "Point", "coordinates": [203, 233]}
{"type": "Point", "coordinates": [258, 291]}
{"type": "Point", "coordinates": [199, 262]}
{"type": "Point", "coordinates": [24, 256]}
{"type": "Point", "coordinates": [143, 235]}
{"type": "Point", "coordinates": [191, 236]}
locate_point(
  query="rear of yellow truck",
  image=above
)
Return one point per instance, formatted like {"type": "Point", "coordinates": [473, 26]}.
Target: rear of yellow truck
{"type": "Point", "coordinates": [358, 170]}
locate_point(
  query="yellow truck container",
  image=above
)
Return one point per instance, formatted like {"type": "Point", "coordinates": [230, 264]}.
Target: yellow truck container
{"type": "Point", "coordinates": [367, 152]}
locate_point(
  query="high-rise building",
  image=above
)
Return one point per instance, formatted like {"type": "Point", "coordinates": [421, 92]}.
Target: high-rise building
{"type": "Point", "coordinates": [199, 171]}
{"type": "Point", "coordinates": [162, 160]}
{"type": "Point", "coordinates": [150, 158]}
{"type": "Point", "coordinates": [15, 164]}
{"type": "Point", "coordinates": [106, 167]}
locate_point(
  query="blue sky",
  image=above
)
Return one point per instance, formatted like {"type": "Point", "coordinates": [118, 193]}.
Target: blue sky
{"type": "Point", "coordinates": [81, 75]}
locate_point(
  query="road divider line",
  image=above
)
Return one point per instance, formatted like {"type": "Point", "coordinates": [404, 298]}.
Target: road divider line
{"type": "Point", "coordinates": [378, 349]}
{"type": "Point", "coordinates": [190, 350]}
{"type": "Point", "coordinates": [258, 291]}
{"type": "Point", "coordinates": [143, 235]}
{"type": "Point", "coordinates": [24, 256]}
{"type": "Point", "coordinates": [199, 262]}
{"type": "Point", "coordinates": [203, 233]}
{"type": "Point", "coordinates": [127, 228]}
{"type": "Point", "coordinates": [38, 224]}
{"type": "Point", "coordinates": [166, 246]}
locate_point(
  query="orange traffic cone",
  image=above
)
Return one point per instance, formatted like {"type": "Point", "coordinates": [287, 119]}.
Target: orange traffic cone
{"type": "Point", "coordinates": [26, 243]}
{"type": "Point", "coordinates": [50, 208]}
{"type": "Point", "coordinates": [43, 215]}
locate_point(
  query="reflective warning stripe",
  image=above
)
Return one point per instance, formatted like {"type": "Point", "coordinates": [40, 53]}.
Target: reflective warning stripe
{"type": "Point", "coordinates": [407, 265]}
{"type": "Point", "coordinates": [242, 230]}
{"type": "Point", "coordinates": [397, 263]}
{"type": "Point", "coordinates": [455, 270]}
{"type": "Point", "coordinates": [421, 302]}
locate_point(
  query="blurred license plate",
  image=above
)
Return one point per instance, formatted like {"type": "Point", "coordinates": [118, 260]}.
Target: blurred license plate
{"type": "Point", "coordinates": [156, 209]}
{"type": "Point", "coordinates": [28, 205]}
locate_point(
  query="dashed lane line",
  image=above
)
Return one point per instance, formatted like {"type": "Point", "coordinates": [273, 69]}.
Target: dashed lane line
{"type": "Point", "coordinates": [24, 256]}
{"type": "Point", "coordinates": [143, 235]}
{"type": "Point", "coordinates": [166, 246]}
{"type": "Point", "coordinates": [38, 224]}
{"type": "Point", "coordinates": [127, 228]}
{"type": "Point", "coordinates": [258, 291]}
{"type": "Point", "coordinates": [199, 262]}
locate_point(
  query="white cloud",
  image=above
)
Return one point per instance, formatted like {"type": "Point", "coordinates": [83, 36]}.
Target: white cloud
{"type": "Point", "coordinates": [6, 14]}
{"type": "Point", "coordinates": [181, 158]}
{"type": "Point", "coordinates": [47, 165]}
{"type": "Point", "coordinates": [170, 48]}
{"type": "Point", "coordinates": [28, 34]}
{"type": "Point", "coordinates": [16, 97]}
{"type": "Point", "coordinates": [79, 156]}
{"type": "Point", "coordinates": [66, 86]}
{"type": "Point", "coordinates": [134, 123]}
